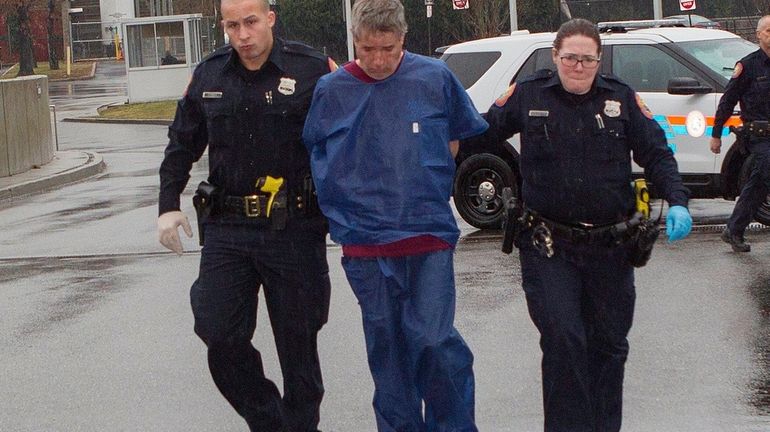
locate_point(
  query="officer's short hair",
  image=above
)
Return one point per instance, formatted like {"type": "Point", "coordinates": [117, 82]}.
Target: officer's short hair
{"type": "Point", "coordinates": [378, 15]}
{"type": "Point", "coordinates": [263, 3]}
{"type": "Point", "coordinates": [577, 26]}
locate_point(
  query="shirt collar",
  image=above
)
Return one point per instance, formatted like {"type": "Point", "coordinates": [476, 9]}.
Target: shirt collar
{"type": "Point", "coordinates": [277, 57]}
{"type": "Point", "coordinates": [599, 82]}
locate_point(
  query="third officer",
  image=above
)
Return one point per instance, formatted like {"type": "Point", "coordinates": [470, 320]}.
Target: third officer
{"type": "Point", "coordinates": [750, 84]}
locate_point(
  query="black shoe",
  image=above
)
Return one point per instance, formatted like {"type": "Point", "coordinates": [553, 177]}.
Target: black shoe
{"type": "Point", "coordinates": [737, 242]}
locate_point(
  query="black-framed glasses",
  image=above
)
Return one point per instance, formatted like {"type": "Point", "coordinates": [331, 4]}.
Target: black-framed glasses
{"type": "Point", "coordinates": [571, 60]}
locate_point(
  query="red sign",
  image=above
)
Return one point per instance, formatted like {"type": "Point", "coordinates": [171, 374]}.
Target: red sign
{"type": "Point", "coordinates": [686, 5]}
{"type": "Point", "coordinates": [460, 4]}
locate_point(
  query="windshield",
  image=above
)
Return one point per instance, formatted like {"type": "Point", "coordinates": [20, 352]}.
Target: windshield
{"type": "Point", "coordinates": [720, 55]}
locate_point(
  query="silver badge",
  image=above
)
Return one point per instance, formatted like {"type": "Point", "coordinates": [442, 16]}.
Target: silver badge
{"type": "Point", "coordinates": [287, 86]}
{"type": "Point", "coordinates": [612, 108]}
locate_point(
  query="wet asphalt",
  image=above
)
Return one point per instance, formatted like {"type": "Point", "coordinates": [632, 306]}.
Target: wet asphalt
{"type": "Point", "coordinates": [97, 331]}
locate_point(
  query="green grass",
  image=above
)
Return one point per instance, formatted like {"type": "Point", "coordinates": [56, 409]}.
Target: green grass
{"type": "Point", "coordinates": [77, 70]}
{"type": "Point", "coordinates": [162, 110]}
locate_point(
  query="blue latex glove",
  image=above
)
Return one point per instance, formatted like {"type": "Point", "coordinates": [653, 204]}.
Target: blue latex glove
{"type": "Point", "coordinates": [678, 223]}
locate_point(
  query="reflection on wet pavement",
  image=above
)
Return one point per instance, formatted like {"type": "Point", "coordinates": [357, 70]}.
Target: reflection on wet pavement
{"type": "Point", "coordinates": [80, 285]}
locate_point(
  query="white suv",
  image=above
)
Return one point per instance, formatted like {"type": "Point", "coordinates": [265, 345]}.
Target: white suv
{"type": "Point", "coordinates": [679, 72]}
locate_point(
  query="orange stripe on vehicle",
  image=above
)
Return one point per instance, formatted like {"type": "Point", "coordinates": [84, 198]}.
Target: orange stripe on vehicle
{"type": "Point", "coordinates": [732, 121]}
{"type": "Point", "coordinates": [676, 120]}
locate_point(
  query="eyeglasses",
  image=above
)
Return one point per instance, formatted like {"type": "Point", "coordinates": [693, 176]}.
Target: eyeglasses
{"type": "Point", "coordinates": [571, 60]}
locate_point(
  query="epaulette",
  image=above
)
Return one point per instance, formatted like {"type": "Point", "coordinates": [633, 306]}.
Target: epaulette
{"type": "Point", "coordinates": [219, 52]}
{"type": "Point", "coordinates": [613, 78]}
{"type": "Point", "coordinates": [538, 75]}
{"type": "Point", "coordinates": [293, 47]}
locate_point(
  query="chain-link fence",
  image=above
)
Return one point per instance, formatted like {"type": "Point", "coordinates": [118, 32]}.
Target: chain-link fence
{"type": "Point", "coordinates": [745, 27]}
{"type": "Point", "coordinates": [91, 40]}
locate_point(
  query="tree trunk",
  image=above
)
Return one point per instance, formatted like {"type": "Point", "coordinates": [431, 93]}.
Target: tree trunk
{"type": "Point", "coordinates": [26, 50]}
{"type": "Point", "coordinates": [53, 55]}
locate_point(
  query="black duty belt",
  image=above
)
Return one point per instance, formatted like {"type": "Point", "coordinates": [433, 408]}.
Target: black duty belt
{"type": "Point", "coordinates": [249, 206]}
{"type": "Point", "coordinates": [757, 128]}
{"type": "Point", "coordinates": [581, 233]}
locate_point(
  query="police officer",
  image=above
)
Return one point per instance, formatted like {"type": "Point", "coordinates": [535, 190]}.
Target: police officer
{"type": "Point", "coordinates": [578, 130]}
{"type": "Point", "coordinates": [247, 102]}
{"type": "Point", "coordinates": [750, 84]}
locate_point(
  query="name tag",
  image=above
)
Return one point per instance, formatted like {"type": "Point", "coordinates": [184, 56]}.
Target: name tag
{"type": "Point", "coordinates": [538, 113]}
{"type": "Point", "coordinates": [212, 95]}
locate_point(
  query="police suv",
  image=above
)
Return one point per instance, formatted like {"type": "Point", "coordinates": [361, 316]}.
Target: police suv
{"type": "Point", "coordinates": [680, 72]}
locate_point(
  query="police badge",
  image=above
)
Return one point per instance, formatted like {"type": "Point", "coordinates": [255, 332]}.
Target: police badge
{"type": "Point", "coordinates": [612, 108]}
{"type": "Point", "coordinates": [286, 86]}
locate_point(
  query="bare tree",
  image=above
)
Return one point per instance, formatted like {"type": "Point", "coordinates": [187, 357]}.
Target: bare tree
{"type": "Point", "coordinates": [53, 56]}
{"type": "Point", "coordinates": [19, 32]}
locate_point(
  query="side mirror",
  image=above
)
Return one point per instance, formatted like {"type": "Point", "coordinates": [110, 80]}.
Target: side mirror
{"type": "Point", "coordinates": [687, 86]}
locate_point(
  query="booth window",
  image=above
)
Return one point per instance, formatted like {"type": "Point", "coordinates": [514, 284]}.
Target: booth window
{"type": "Point", "coordinates": [156, 44]}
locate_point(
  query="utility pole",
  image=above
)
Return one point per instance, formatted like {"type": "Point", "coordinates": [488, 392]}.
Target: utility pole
{"type": "Point", "coordinates": [348, 30]}
{"type": "Point", "coordinates": [657, 9]}
{"type": "Point", "coordinates": [514, 15]}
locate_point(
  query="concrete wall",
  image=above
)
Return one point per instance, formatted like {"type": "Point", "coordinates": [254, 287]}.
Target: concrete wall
{"type": "Point", "coordinates": [25, 124]}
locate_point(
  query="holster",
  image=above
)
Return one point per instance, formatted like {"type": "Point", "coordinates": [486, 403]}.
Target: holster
{"type": "Point", "coordinates": [309, 197]}
{"type": "Point", "coordinates": [642, 242]}
{"type": "Point", "coordinates": [205, 201]}
{"type": "Point", "coordinates": [279, 212]}
{"type": "Point", "coordinates": [512, 223]}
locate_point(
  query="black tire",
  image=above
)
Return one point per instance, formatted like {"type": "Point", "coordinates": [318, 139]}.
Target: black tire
{"type": "Point", "coordinates": [478, 187]}
{"type": "Point", "coordinates": [763, 212]}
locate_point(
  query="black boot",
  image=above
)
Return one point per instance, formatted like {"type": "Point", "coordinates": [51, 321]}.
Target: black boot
{"type": "Point", "coordinates": [737, 242]}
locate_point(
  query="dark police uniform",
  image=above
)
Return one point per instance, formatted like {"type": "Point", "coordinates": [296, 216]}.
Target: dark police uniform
{"type": "Point", "coordinates": [750, 85]}
{"type": "Point", "coordinates": [576, 171]}
{"type": "Point", "coordinates": [251, 122]}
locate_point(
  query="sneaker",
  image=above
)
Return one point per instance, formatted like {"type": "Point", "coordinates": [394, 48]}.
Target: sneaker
{"type": "Point", "coordinates": [737, 242]}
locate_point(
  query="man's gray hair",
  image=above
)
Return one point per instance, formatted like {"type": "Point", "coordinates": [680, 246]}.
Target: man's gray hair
{"type": "Point", "coordinates": [763, 22]}
{"type": "Point", "coordinates": [378, 16]}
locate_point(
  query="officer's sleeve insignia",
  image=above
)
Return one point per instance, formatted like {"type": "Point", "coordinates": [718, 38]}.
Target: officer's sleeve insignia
{"type": "Point", "coordinates": [737, 71]}
{"type": "Point", "coordinates": [332, 65]}
{"type": "Point", "coordinates": [612, 108]}
{"type": "Point", "coordinates": [504, 97]}
{"type": "Point", "coordinates": [643, 107]}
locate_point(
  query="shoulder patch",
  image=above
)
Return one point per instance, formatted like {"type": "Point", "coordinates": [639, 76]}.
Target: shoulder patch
{"type": "Point", "coordinates": [292, 47]}
{"type": "Point", "coordinates": [643, 106]}
{"type": "Point", "coordinates": [500, 102]}
{"type": "Point", "coordinates": [332, 65]}
{"type": "Point", "coordinates": [737, 70]}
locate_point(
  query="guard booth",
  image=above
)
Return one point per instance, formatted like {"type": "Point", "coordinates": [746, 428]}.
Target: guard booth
{"type": "Point", "coordinates": [160, 55]}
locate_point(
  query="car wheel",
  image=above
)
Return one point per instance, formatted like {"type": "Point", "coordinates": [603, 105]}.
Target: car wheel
{"type": "Point", "coordinates": [478, 189]}
{"type": "Point", "coordinates": [763, 213]}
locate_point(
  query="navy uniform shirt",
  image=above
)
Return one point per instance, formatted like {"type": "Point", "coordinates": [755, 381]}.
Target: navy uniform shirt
{"type": "Point", "coordinates": [576, 149]}
{"type": "Point", "coordinates": [251, 121]}
{"type": "Point", "coordinates": [750, 84]}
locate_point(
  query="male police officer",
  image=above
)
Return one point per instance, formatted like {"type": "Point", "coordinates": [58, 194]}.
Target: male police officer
{"type": "Point", "coordinates": [750, 84]}
{"type": "Point", "coordinates": [247, 102]}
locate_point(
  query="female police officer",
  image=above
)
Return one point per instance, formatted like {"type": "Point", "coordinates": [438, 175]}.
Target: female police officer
{"type": "Point", "coordinates": [578, 131]}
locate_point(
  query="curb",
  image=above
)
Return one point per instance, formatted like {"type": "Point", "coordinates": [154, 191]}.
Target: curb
{"type": "Point", "coordinates": [94, 165]}
{"type": "Point", "coordinates": [161, 122]}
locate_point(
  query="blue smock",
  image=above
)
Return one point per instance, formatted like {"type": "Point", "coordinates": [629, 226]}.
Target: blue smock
{"type": "Point", "coordinates": [380, 155]}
